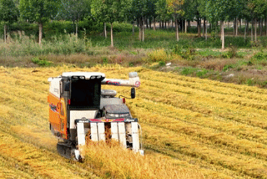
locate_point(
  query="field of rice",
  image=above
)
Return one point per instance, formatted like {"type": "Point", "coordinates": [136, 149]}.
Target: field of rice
{"type": "Point", "coordinates": [192, 128]}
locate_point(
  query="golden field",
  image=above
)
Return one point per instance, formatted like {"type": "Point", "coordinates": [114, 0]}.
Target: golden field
{"type": "Point", "coordinates": [192, 128]}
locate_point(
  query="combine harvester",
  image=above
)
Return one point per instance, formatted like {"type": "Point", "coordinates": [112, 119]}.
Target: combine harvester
{"type": "Point", "coordinates": [80, 109]}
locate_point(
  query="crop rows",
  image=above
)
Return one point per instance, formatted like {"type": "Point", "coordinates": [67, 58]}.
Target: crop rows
{"type": "Point", "coordinates": [221, 124]}
{"type": "Point", "coordinates": [28, 149]}
{"type": "Point", "coordinates": [216, 128]}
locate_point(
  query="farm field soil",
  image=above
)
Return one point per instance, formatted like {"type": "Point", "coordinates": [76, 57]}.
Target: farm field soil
{"type": "Point", "coordinates": [196, 127]}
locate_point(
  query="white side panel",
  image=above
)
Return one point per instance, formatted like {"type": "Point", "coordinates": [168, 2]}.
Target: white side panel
{"type": "Point", "coordinates": [55, 87]}
{"type": "Point", "coordinates": [108, 101]}
{"type": "Point", "coordinates": [75, 114]}
{"type": "Point", "coordinates": [94, 133]}
{"type": "Point", "coordinates": [122, 134]}
{"type": "Point", "coordinates": [101, 131]}
{"type": "Point", "coordinates": [80, 134]}
{"type": "Point", "coordinates": [114, 131]}
{"type": "Point", "coordinates": [135, 136]}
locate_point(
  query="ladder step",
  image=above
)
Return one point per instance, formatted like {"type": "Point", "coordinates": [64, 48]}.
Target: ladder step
{"type": "Point", "coordinates": [135, 137]}
{"type": "Point", "coordinates": [80, 134]}
{"type": "Point", "coordinates": [114, 131]}
{"type": "Point", "coordinates": [122, 135]}
{"type": "Point", "coordinates": [101, 132]}
{"type": "Point", "coordinates": [94, 132]}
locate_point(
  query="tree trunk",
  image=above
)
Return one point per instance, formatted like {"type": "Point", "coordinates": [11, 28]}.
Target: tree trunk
{"type": "Point", "coordinates": [76, 30]}
{"type": "Point", "coordinates": [199, 27]}
{"type": "Point", "coordinates": [182, 26]}
{"type": "Point", "coordinates": [176, 29]}
{"type": "Point", "coordinates": [261, 27]}
{"type": "Point", "coordinates": [234, 27]}
{"type": "Point", "coordinates": [228, 25]}
{"type": "Point", "coordinates": [150, 22]}
{"type": "Point", "coordinates": [189, 23]}
{"type": "Point", "coordinates": [111, 34]}
{"type": "Point", "coordinates": [5, 32]}
{"type": "Point", "coordinates": [222, 34]}
{"type": "Point", "coordinates": [40, 33]}
{"type": "Point", "coordinates": [210, 26]}
{"type": "Point", "coordinates": [154, 26]}
{"type": "Point", "coordinates": [245, 32]}
{"type": "Point", "coordinates": [255, 26]}
{"type": "Point", "coordinates": [147, 20]}
{"type": "Point", "coordinates": [133, 28]}
{"type": "Point", "coordinates": [143, 33]}
{"type": "Point", "coordinates": [251, 30]}
{"type": "Point", "coordinates": [140, 30]}
{"type": "Point", "coordinates": [206, 33]}
{"type": "Point", "coordinates": [185, 27]}
{"type": "Point", "coordinates": [266, 25]}
{"type": "Point", "coordinates": [105, 30]}
{"type": "Point", "coordinates": [236, 30]}
{"type": "Point", "coordinates": [221, 24]}
{"type": "Point", "coordinates": [204, 27]}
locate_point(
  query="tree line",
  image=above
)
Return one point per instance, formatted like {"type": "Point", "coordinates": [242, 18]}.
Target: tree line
{"type": "Point", "coordinates": [142, 12]}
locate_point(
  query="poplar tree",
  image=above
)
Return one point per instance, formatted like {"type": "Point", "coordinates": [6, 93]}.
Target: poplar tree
{"type": "Point", "coordinates": [39, 11]}
{"type": "Point", "coordinates": [174, 7]}
{"type": "Point", "coordinates": [111, 11]}
{"type": "Point", "coordinates": [8, 14]}
{"type": "Point", "coordinates": [75, 10]}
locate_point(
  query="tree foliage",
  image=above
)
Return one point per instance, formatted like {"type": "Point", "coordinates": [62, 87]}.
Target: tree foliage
{"type": "Point", "coordinates": [175, 7]}
{"type": "Point", "coordinates": [111, 10]}
{"type": "Point", "coordinates": [75, 10]}
{"type": "Point", "coordinates": [8, 11]}
{"type": "Point", "coordinates": [38, 10]}
{"type": "Point", "coordinates": [222, 9]}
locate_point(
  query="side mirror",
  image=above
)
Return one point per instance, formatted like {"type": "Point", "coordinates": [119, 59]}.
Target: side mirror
{"type": "Point", "coordinates": [132, 93]}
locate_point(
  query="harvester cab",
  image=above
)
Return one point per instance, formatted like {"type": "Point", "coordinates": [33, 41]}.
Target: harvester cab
{"type": "Point", "coordinates": [80, 109]}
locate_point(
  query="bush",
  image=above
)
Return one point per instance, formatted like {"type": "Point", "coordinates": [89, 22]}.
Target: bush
{"type": "Point", "coordinates": [41, 62]}
{"type": "Point", "coordinates": [227, 67]}
{"type": "Point", "coordinates": [105, 60]}
{"type": "Point", "coordinates": [188, 71]}
{"type": "Point", "coordinates": [187, 52]}
{"type": "Point", "coordinates": [194, 72]}
{"type": "Point", "coordinates": [209, 53]}
{"type": "Point", "coordinates": [158, 56]}
{"type": "Point", "coordinates": [202, 73]}
{"type": "Point", "coordinates": [231, 53]}
{"type": "Point", "coordinates": [260, 56]}
{"type": "Point", "coordinates": [121, 27]}
{"type": "Point", "coordinates": [161, 63]}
